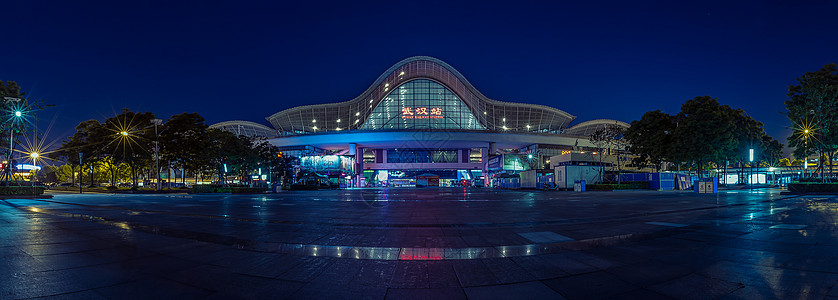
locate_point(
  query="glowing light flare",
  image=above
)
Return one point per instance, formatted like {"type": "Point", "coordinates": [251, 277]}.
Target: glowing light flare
{"type": "Point", "coordinates": [125, 134]}
{"type": "Point", "coordinates": [806, 130]}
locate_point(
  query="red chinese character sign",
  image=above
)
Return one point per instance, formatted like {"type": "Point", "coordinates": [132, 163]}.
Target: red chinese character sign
{"type": "Point", "coordinates": [422, 113]}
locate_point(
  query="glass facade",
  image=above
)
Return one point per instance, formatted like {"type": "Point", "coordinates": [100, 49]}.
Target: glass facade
{"type": "Point", "coordinates": [421, 156]}
{"type": "Point", "coordinates": [421, 104]}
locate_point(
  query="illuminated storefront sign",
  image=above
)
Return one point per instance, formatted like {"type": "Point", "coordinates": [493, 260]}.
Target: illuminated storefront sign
{"type": "Point", "coordinates": [421, 113]}
{"type": "Point", "coordinates": [513, 162]}
{"type": "Point", "coordinates": [328, 163]}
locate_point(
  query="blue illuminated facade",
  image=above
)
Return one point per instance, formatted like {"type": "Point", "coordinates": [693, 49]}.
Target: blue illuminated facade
{"type": "Point", "coordinates": [422, 117]}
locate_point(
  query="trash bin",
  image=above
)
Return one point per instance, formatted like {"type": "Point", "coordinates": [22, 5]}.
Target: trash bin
{"type": "Point", "coordinates": [579, 186]}
{"type": "Point", "coordinates": [707, 185]}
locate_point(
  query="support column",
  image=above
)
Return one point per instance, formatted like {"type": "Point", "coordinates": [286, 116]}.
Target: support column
{"type": "Point", "coordinates": [359, 165]}
{"type": "Point", "coordinates": [484, 157]}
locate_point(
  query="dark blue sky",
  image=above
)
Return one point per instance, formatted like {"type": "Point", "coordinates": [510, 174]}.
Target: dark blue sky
{"type": "Point", "coordinates": [247, 60]}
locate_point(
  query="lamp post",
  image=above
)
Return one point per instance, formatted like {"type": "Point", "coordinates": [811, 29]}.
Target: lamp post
{"type": "Point", "coordinates": [17, 114]}
{"type": "Point", "coordinates": [751, 159]}
{"type": "Point", "coordinates": [805, 153]}
{"type": "Point", "coordinates": [80, 173]}
{"type": "Point", "coordinates": [34, 156]}
{"type": "Point", "coordinates": [157, 151]}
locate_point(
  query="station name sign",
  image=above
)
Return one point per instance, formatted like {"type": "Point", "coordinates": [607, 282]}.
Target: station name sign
{"type": "Point", "coordinates": [422, 113]}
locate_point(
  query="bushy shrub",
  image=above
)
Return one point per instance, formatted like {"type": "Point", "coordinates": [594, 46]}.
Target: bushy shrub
{"type": "Point", "coordinates": [625, 185]}
{"type": "Point", "coordinates": [207, 189]}
{"type": "Point", "coordinates": [813, 187]}
{"type": "Point", "coordinates": [21, 190]}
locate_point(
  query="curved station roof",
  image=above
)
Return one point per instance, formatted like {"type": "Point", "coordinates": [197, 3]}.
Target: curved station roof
{"type": "Point", "coordinates": [245, 128]}
{"type": "Point", "coordinates": [421, 94]}
{"type": "Point", "coordinates": [405, 79]}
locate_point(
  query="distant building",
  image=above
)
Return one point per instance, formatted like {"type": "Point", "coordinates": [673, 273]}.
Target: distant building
{"type": "Point", "coordinates": [245, 128]}
{"type": "Point", "coordinates": [422, 117]}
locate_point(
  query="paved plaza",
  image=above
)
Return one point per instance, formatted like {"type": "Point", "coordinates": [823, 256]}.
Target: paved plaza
{"type": "Point", "coordinates": [431, 243]}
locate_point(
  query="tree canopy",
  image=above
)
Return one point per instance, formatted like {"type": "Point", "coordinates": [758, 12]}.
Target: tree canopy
{"type": "Point", "coordinates": [124, 144]}
{"type": "Point", "coordinates": [703, 132]}
{"type": "Point", "coordinates": [812, 109]}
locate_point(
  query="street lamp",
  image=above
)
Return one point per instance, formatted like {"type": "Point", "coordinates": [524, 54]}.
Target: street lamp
{"type": "Point", "coordinates": [157, 151]}
{"type": "Point", "coordinates": [751, 159]}
{"type": "Point", "coordinates": [34, 156]}
{"type": "Point", "coordinates": [16, 114]}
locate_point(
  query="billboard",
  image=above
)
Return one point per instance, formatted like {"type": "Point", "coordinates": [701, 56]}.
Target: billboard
{"type": "Point", "coordinates": [328, 163]}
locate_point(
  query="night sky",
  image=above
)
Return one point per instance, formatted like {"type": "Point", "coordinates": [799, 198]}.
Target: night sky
{"type": "Point", "coordinates": [246, 60]}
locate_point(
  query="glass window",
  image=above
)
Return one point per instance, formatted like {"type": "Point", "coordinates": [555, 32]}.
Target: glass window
{"type": "Point", "coordinates": [421, 104]}
{"type": "Point", "coordinates": [421, 156]}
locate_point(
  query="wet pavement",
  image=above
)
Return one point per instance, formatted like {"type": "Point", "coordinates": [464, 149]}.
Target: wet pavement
{"type": "Point", "coordinates": [422, 243]}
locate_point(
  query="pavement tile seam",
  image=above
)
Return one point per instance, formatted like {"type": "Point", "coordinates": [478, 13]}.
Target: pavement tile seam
{"type": "Point", "coordinates": [93, 289]}
{"type": "Point", "coordinates": [570, 245]}
{"type": "Point", "coordinates": [477, 224]}
{"type": "Point", "coordinates": [487, 261]}
{"type": "Point", "coordinates": [551, 248]}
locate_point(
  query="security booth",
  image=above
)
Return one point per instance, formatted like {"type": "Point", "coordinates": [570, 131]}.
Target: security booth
{"type": "Point", "coordinates": [566, 176]}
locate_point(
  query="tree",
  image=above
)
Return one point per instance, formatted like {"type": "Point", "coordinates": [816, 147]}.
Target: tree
{"type": "Point", "coordinates": [772, 150]}
{"type": "Point", "coordinates": [18, 110]}
{"type": "Point", "coordinates": [704, 132]}
{"type": "Point", "coordinates": [650, 138]}
{"type": "Point", "coordinates": [611, 136]}
{"type": "Point", "coordinates": [784, 162]}
{"type": "Point", "coordinates": [84, 144]}
{"type": "Point", "coordinates": [813, 111]}
{"type": "Point", "coordinates": [127, 138]}
{"type": "Point", "coordinates": [226, 152]}
{"type": "Point", "coordinates": [183, 138]}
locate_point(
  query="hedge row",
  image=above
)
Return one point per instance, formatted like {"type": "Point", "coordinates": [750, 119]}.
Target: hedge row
{"type": "Point", "coordinates": [809, 187]}
{"type": "Point", "coordinates": [209, 189]}
{"type": "Point", "coordinates": [21, 190]}
{"type": "Point", "coordinates": [626, 185]}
